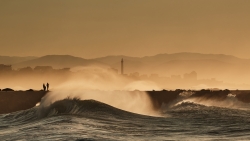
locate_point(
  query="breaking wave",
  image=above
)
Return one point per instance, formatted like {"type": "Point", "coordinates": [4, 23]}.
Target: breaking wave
{"type": "Point", "coordinates": [76, 107]}
{"type": "Point", "coordinates": [185, 116]}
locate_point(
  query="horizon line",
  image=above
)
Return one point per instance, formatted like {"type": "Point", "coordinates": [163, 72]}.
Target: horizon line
{"type": "Point", "coordinates": [127, 55]}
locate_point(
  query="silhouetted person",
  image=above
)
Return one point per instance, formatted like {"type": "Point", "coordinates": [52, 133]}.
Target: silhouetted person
{"type": "Point", "coordinates": [47, 86]}
{"type": "Point", "coordinates": [44, 87]}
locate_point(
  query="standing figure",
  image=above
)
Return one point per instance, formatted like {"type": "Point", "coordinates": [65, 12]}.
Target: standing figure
{"type": "Point", "coordinates": [47, 86]}
{"type": "Point", "coordinates": [44, 87]}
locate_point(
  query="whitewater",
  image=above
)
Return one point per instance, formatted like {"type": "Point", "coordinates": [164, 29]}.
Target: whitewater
{"type": "Point", "coordinates": [76, 119]}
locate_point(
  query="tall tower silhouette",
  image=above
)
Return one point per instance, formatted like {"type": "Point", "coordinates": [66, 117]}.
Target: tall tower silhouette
{"type": "Point", "coordinates": [122, 66]}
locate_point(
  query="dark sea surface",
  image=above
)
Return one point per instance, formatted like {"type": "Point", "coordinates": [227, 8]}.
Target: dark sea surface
{"type": "Point", "coordinates": [73, 119]}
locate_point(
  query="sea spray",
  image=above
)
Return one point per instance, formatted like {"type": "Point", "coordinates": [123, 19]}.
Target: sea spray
{"type": "Point", "coordinates": [107, 87]}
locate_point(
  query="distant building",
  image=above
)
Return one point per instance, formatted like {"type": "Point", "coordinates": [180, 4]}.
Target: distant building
{"type": "Point", "coordinates": [5, 67]}
{"type": "Point", "coordinates": [27, 69]}
{"type": "Point", "coordinates": [122, 66]}
{"type": "Point", "coordinates": [43, 68]}
{"type": "Point", "coordinates": [135, 74]}
{"type": "Point", "coordinates": [154, 75]}
{"type": "Point", "coordinates": [64, 70]}
{"type": "Point", "coordinates": [175, 77]}
{"type": "Point", "coordinates": [190, 76]}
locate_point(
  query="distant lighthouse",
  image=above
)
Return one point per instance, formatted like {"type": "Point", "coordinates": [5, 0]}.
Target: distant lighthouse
{"type": "Point", "coordinates": [122, 67]}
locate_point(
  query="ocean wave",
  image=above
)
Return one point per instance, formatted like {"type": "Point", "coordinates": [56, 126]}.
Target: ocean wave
{"type": "Point", "coordinates": [199, 107]}
{"type": "Point", "coordinates": [77, 107]}
{"type": "Point", "coordinates": [75, 119]}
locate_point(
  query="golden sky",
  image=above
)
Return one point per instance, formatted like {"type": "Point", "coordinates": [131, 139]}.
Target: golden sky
{"type": "Point", "coordinates": [95, 28]}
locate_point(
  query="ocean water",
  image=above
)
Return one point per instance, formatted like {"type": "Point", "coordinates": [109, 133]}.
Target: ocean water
{"type": "Point", "coordinates": [73, 119]}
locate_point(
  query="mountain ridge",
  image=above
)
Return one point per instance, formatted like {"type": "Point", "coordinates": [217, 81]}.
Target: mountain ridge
{"type": "Point", "coordinates": [57, 61]}
{"type": "Point", "coordinates": [220, 66]}
{"type": "Point", "coordinates": [8, 60]}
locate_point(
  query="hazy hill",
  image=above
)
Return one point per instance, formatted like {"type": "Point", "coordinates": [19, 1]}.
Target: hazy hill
{"type": "Point", "coordinates": [132, 64]}
{"type": "Point", "coordinates": [111, 60]}
{"type": "Point", "coordinates": [206, 68]}
{"type": "Point", "coordinates": [219, 66]}
{"type": "Point", "coordinates": [159, 61]}
{"type": "Point", "coordinates": [57, 61]}
{"type": "Point", "coordinates": [160, 58]}
{"type": "Point", "coordinates": [9, 60]}
{"type": "Point", "coordinates": [222, 67]}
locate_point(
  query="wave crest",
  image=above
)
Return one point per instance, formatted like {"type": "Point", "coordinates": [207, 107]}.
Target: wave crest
{"type": "Point", "coordinates": [78, 107]}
